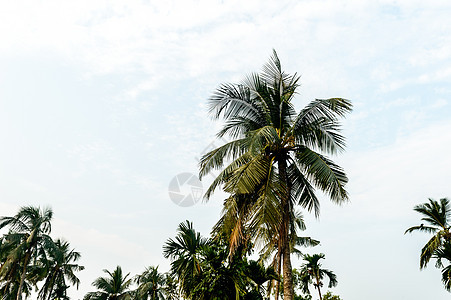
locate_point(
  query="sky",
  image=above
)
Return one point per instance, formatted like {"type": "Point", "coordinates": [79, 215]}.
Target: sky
{"type": "Point", "coordinates": [103, 104]}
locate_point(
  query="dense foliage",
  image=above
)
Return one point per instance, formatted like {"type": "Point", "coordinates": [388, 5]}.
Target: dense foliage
{"type": "Point", "coordinates": [204, 269]}
{"type": "Point", "coordinates": [30, 258]}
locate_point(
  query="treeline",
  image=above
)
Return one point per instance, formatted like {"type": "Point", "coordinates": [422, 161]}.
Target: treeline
{"type": "Point", "coordinates": [201, 268]}
{"type": "Point", "coordinates": [30, 256]}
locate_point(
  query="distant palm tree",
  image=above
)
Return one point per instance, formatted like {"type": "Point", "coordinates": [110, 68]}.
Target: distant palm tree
{"type": "Point", "coordinates": [259, 274]}
{"type": "Point", "coordinates": [60, 267]}
{"type": "Point", "coordinates": [278, 154]}
{"type": "Point", "coordinates": [171, 290]}
{"type": "Point", "coordinates": [185, 253]}
{"type": "Point", "coordinates": [113, 287]}
{"type": "Point", "coordinates": [29, 236]}
{"type": "Point", "coordinates": [312, 273]}
{"type": "Point", "coordinates": [437, 216]}
{"type": "Point", "coordinates": [203, 270]}
{"type": "Point", "coordinates": [221, 278]}
{"type": "Point", "coordinates": [150, 284]}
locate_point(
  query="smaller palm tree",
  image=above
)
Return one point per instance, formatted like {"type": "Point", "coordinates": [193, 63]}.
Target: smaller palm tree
{"type": "Point", "coordinates": [59, 267]}
{"type": "Point", "coordinates": [171, 289]}
{"type": "Point", "coordinates": [437, 215]}
{"type": "Point", "coordinates": [259, 274]}
{"type": "Point", "coordinates": [113, 287]}
{"type": "Point", "coordinates": [150, 284]}
{"type": "Point", "coordinates": [185, 252]}
{"type": "Point", "coordinates": [311, 273]}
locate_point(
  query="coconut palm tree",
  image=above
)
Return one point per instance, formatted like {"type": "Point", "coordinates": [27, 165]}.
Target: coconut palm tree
{"type": "Point", "coordinates": [59, 267]}
{"type": "Point", "coordinates": [437, 216]}
{"type": "Point", "coordinates": [113, 287]}
{"type": "Point", "coordinates": [277, 154]}
{"type": "Point", "coordinates": [312, 273]}
{"type": "Point", "coordinates": [150, 284]}
{"type": "Point", "coordinates": [29, 232]}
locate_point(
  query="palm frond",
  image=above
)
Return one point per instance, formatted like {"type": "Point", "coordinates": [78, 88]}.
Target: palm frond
{"type": "Point", "coordinates": [303, 191]}
{"type": "Point", "coordinates": [325, 174]}
{"type": "Point", "coordinates": [214, 159]}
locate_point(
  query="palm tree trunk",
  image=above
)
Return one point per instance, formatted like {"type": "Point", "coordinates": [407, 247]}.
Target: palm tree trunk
{"type": "Point", "coordinates": [278, 267]}
{"type": "Point", "coordinates": [285, 232]}
{"type": "Point", "coordinates": [22, 277]}
{"type": "Point", "coordinates": [287, 274]}
{"type": "Point", "coordinates": [318, 287]}
{"type": "Point", "coordinates": [272, 282]}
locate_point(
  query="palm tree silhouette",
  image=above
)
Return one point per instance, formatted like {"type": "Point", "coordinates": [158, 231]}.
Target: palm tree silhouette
{"type": "Point", "coordinates": [437, 216]}
{"type": "Point", "coordinates": [113, 287]}
{"type": "Point", "coordinates": [312, 273]}
{"type": "Point", "coordinates": [277, 155]}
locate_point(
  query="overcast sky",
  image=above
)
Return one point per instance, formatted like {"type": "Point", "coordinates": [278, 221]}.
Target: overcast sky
{"type": "Point", "coordinates": [102, 103]}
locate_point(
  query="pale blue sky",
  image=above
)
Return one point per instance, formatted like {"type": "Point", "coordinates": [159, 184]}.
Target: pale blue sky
{"type": "Point", "coordinates": [102, 103]}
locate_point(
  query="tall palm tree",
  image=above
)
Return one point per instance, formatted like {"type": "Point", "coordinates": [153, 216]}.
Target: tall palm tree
{"type": "Point", "coordinates": [277, 155]}
{"type": "Point", "coordinates": [437, 215]}
{"type": "Point", "coordinates": [312, 273]}
{"type": "Point", "coordinates": [29, 231]}
{"type": "Point", "coordinates": [113, 287]}
{"type": "Point", "coordinates": [150, 284]}
{"type": "Point", "coordinates": [60, 267]}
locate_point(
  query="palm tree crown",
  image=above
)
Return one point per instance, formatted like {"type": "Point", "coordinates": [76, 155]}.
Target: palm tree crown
{"type": "Point", "coordinates": [150, 284]}
{"type": "Point", "coordinates": [113, 287]}
{"type": "Point", "coordinates": [185, 252]}
{"type": "Point", "coordinates": [312, 273]}
{"type": "Point", "coordinates": [437, 216]}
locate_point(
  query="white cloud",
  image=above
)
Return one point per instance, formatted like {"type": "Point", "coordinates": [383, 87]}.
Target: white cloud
{"type": "Point", "coordinates": [440, 103]}
{"type": "Point", "coordinates": [437, 75]}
